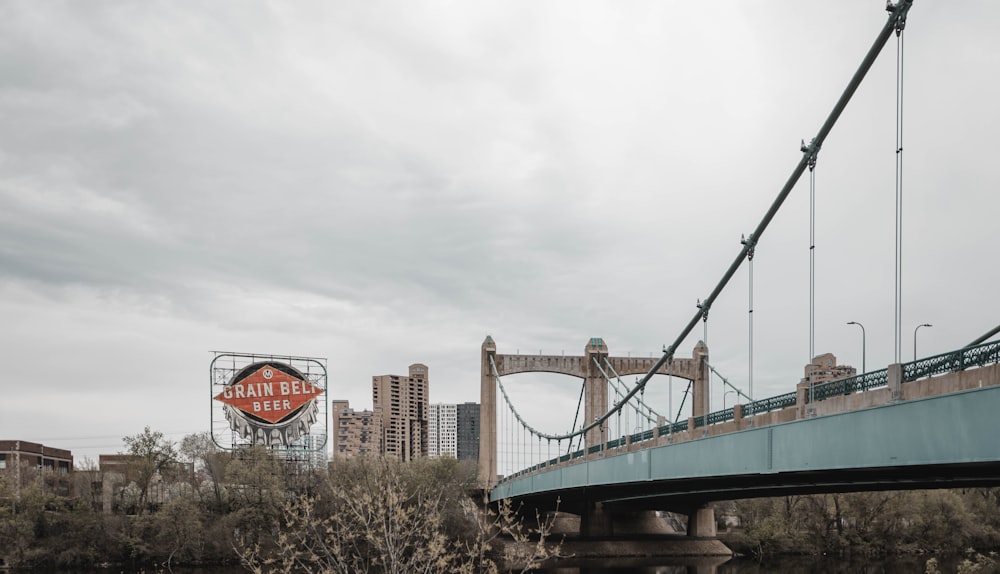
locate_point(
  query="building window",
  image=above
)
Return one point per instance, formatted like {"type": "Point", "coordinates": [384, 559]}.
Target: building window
{"type": "Point", "coordinates": [3, 460]}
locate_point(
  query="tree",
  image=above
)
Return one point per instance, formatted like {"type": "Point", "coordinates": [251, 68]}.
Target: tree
{"type": "Point", "coordinates": [255, 491]}
{"type": "Point", "coordinates": [381, 515]}
{"type": "Point", "coordinates": [88, 482]}
{"type": "Point", "coordinates": [209, 461]}
{"type": "Point", "coordinates": [180, 530]}
{"type": "Point", "coordinates": [150, 454]}
{"type": "Point", "coordinates": [941, 522]}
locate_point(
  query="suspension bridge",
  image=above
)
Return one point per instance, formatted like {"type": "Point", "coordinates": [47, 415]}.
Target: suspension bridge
{"type": "Point", "coordinates": [929, 423]}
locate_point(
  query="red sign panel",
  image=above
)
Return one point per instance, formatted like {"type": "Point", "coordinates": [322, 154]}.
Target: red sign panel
{"type": "Point", "coordinates": [269, 394]}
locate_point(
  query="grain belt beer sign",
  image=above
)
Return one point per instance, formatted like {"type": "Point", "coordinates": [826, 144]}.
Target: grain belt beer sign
{"type": "Point", "coordinates": [270, 403]}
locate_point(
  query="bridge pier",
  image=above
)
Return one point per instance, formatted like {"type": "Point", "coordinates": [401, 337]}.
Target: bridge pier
{"type": "Point", "coordinates": [701, 523]}
{"type": "Point", "coordinates": [595, 521]}
{"type": "Point", "coordinates": [598, 521]}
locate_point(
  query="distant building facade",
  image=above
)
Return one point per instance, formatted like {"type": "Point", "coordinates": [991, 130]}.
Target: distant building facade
{"type": "Point", "coordinates": [454, 431]}
{"type": "Point", "coordinates": [403, 424]}
{"type": "Point", "coordinates": [824, 368]}
{"type": "Point", "coordinates": [117, 471]}
{"type": "Point", "coordinates": [355, 433]}
{"type": "Point", "coordinates": [442, 433]}
{"type": "Point", "coordinates": [314, 455]}
{"type": "Point", "coordinates": [27, 461]}
{"type": "Point", "coordinates": [402, 405]}
{"type": "Point", "coordinates": [467, 442]}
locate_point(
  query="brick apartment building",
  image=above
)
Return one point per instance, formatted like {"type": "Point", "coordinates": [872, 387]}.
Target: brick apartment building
{"type": "Point", "coordinates": [401, 403]}
{"type": "Point", "coordinates": [27, 460]}
{"type": "Point", "coordinates": [354, 433]}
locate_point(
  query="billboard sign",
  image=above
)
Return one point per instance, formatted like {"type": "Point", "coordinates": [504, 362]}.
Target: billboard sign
{"type": "Point", "coordinates": [270, 402]}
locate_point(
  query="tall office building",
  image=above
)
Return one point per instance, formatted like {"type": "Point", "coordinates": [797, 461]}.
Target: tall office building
{"type": "Point", "coordinates": [454, 431]}
{"type": "Point", "coordinates": [401, 404]}
{"type": "Point", "coordinates": [467, 431]}
{"type": "Point", "coordinates": [442, 431]}
{"type": "Point", "coordinates": [354, 433]}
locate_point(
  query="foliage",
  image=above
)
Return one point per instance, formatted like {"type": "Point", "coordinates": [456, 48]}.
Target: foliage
{"type": "Point", "coordinates": [256, 495]}
{"type": "Point", "coordinates": [150, 455]}
{"type": "Point", "coordinates": [209, 464]}
{"type": "Point", "coordinates": [380, 515]}
{"type": "Point", "coordinates": [870, 523]}
{"type": "Point", "coordinates": [976, 562]}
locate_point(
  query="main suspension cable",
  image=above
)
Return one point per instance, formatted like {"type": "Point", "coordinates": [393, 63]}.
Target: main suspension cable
{"type": "Point", "coordinates": [895, 22]}
{"type": "Point", "coordinates": [639, 399]}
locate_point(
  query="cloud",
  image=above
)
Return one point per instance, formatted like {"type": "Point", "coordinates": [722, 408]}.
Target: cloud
{"type": "Point", "coordinates": [381, 185]}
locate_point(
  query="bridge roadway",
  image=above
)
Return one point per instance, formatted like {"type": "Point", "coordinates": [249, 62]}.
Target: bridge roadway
{"type": "Point", "coordinates": [936, 441]}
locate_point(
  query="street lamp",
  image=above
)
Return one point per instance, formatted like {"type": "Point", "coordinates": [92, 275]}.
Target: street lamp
{"type": "Point", "coordinates": [863, 370]}
{"type": "Point", "coordinates": [915, 338]}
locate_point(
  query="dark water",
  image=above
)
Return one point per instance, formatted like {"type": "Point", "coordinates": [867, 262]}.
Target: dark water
{"type": "Point", "coordinates": [146, 570]}
{"type": "Point", "coordinates": [783, 565]}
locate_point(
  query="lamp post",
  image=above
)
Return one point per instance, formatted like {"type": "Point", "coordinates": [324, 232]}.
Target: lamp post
{"type": "Point", "coordinates": [863, 370]}
{"type": "Point", "coordinates": [915, 338]}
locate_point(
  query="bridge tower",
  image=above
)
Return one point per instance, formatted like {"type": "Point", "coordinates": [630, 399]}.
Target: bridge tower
{"type": "Point", "coordinates": [595, 391]}
{"type": "Point", "coordinates": [487, 415]}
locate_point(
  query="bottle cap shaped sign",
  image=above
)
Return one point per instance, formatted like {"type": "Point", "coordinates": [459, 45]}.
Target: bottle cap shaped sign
{"type": "Point", "coordinates": [270, 403]}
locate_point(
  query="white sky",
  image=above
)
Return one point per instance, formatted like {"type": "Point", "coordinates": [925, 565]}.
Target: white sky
{"type": "Point", "coordinates": [386, 183]}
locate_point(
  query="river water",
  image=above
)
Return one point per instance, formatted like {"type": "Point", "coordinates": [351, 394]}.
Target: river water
{"type": "Point", "coordinates": [782, 565]}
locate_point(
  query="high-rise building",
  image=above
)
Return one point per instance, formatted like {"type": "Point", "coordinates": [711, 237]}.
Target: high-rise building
{"type": "Point", "coordinates": [467, 431]}
{"type": "Point", "coordinates": [454, 431]}
{"type": "Point", "coordinates": [442, 431]}
{"type": "Point", "coordinates": [401, 404]}
{"type": "Point", "coordinates": [354, 433]}
{"type": "Point", "coordinates": [824, 368]}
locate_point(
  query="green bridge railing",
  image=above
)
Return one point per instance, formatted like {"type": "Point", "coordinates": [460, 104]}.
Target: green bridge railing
{"type": "Point", "coordinates": [857, 383]}
{"type": "Point", "coordinates": [975, 356]}
{"type": "Point", "coordinates": [769, 404]}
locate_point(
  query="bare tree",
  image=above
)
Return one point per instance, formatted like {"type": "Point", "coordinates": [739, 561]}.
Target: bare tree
{"type": "Point", "coordinates": [379, 515]}
{"type": "Point", "coordinates": [209, 464]}
{"type": "Point", "coordinates": [150, 454]}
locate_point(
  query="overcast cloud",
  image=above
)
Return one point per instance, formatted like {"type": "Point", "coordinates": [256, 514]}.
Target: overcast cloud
{"type": "Point", "coordinates": [385, 183]}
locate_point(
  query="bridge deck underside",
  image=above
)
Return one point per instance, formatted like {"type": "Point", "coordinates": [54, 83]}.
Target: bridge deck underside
{"type": "Point", "coordinates": [942, 441]}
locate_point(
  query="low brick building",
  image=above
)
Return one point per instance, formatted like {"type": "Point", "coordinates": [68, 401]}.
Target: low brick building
{"type": "Point", "coordinates": [25, 461]}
